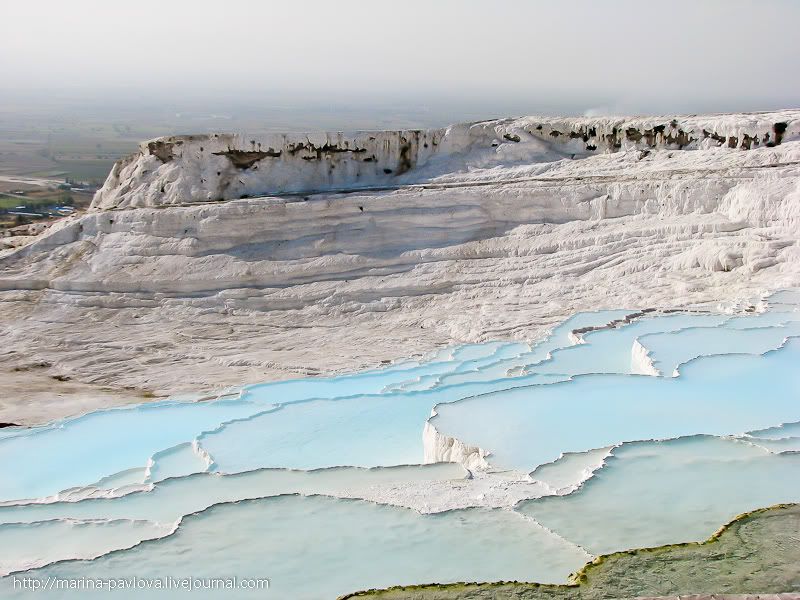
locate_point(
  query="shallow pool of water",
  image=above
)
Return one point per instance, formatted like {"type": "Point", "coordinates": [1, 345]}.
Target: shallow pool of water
{"type": "Point", "coordinates": [619, 429]}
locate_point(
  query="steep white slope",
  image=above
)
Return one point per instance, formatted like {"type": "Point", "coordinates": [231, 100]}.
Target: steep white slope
{"type": "Point", "coordinates": [475, 242]}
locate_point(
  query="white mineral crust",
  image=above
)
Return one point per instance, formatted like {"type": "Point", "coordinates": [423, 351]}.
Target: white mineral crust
{"type": "Point", "coordinates": [174, 283]}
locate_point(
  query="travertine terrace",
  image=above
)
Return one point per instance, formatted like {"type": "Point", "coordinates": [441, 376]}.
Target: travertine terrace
{"type": "Point", "coordinates": [214, 261]}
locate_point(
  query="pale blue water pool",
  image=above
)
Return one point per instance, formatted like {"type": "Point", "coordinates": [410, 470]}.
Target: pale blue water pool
{"type": "Point", "coordinates": [319, 483]}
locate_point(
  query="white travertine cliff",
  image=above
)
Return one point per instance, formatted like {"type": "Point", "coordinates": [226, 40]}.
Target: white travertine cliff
{"type": "Point", "coordinates": [183, 169]}
{"type": "Point", "coordinates": [334, 264]}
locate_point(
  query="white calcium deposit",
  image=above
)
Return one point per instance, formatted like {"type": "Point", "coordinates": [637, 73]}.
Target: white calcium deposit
{"type": "Point", "coordinates": [182, 169]}
{"type": "Point", "coordinates": [210, 261]}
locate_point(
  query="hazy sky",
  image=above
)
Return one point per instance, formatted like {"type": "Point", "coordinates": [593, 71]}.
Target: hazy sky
{"type": "Point", "coordinates": [609, 55]}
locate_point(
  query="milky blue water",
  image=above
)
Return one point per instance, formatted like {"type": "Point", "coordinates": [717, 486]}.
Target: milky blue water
{"type": "Point", "coordinates": [666, 492]}
{"type": "Point", "coordinates": [318, 547]}
{"type": "Point", "coordinates": [532, 425]}
{"type": "Point", "coordinates": [267, 484]}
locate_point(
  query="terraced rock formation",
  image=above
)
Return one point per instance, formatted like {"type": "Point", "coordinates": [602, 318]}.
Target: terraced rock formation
{"type": "Point", "coordinates": [178, 283]}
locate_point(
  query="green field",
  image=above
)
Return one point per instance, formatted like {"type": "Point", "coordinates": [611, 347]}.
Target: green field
{"type": "Point", "coordinates": [56, 199]}
{"type": "Point", "coordinates": [89, 170]}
